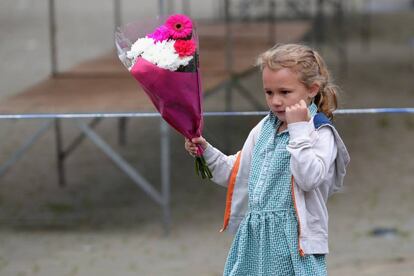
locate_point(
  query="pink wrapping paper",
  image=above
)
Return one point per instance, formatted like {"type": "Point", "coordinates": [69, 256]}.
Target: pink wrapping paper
{"type": "Point", "coordinates": [176, 96]}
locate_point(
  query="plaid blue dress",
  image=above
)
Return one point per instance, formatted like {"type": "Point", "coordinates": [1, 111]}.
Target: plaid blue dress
{"type": "Point", "coordinates": [266, 242]}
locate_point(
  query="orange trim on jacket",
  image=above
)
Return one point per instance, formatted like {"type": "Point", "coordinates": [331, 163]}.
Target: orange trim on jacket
{"type": "Point", "coordinates": [230, 189]}
{"type": "Point", "coordinates": [301, 252]}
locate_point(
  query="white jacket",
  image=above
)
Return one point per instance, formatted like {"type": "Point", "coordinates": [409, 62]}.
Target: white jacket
{"type": "Point", "coordinates": [318, 165]}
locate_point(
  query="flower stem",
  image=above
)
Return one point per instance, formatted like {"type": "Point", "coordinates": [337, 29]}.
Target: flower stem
{"type": "Point", "coordinates": [201, 168]}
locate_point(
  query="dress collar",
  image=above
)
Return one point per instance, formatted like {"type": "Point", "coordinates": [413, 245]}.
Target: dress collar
{"type": "Point", "coordinates": [313, 109]}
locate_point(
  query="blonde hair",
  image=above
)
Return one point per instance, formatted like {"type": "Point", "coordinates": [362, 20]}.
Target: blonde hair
{"type": "Point", "coordinates": [311, 69]}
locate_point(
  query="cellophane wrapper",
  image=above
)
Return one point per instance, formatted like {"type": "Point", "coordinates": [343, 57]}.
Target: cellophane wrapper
{"type": "Point", "coordinates": [167, 69]}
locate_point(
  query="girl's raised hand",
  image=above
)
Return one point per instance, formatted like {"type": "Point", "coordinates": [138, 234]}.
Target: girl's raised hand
{"type": "Point", "coordinates": [191, 146]}
{"type": "Point", "coordinates": [297, 113]}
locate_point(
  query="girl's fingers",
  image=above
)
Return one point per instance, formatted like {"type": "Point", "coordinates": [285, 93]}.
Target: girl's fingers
{"type": "Point", "coordinates": [192, 146]}
{"type": "Point", "coordinates": [189, 146]}
{"type": "Point", "coordinates": [188, 143]}
{"type": "Point", "coordinates": [197, 140]}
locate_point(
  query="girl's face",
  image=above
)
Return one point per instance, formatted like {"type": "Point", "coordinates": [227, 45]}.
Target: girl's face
{"type": "Point", "coordinates": [283, 88]}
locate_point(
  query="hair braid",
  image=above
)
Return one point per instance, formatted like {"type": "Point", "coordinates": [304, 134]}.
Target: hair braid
{"type": "Point", "coordinates": [326, 99]}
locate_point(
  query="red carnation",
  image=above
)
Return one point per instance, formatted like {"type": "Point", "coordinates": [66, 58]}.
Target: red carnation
{"type": "Point", "coordinates": [184, 47]}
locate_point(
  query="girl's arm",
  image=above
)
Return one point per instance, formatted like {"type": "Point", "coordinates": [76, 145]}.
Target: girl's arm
{"type": "Point", "coordinates": [222, 165]}
{"type": "Point", "coordinates": [313, 152]}
{"type": "Point", "coordinates": [219, 163]}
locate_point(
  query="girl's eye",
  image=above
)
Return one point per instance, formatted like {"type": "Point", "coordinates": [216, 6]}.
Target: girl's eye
{"type": "Point", "coordinates": [268, 92]}
{"type": "Point", "coordinates": [285, 91]}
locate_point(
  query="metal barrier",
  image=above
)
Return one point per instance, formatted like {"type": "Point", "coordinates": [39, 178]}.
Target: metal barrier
{"type": "Point", "coordinates": [160, 197]}
{"type": "Point", "coordinates": [206, 114]}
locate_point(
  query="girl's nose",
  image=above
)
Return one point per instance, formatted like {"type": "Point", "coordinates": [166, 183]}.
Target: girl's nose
{"type": "Point", "coordinates": [276, 101]}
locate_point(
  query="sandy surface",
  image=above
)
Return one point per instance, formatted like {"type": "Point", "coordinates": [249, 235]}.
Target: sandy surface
{"type": "Point", "coordinates": [101, 224]}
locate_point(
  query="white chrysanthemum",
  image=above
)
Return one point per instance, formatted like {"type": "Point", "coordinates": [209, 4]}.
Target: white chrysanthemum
{"type": "Point", "coordinates": [139, 47]}
{"type": "Point", "coordinates": [164, 56]}
{"type": "Point", "coordinates": [167, 57]}
{"type": "Point", "coordinates": [153, 53]}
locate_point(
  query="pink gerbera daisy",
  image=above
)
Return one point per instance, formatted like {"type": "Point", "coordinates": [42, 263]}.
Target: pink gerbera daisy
{"type": "Point", "coordinates": [180, 26]}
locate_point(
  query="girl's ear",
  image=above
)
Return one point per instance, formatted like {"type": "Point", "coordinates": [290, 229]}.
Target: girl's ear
{"type": "Point", "coordinates": [314, 89]}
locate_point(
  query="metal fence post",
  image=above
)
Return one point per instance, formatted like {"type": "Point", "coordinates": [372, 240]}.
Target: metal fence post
{"type": "Point", "coordinates": [161, 7]}
{"type": "Point", "coordinates": [117, 13]}
{"type": "Point", "coordinates": [52, 39]}
{"type": "Point", "coordinates": [165, 175]}
{"type": "Point", "coordinates": [60, 153]}
{"type": "Point", "coordinates": [186, 7]}
{"type": "Point", "coordinates": [272, 22]}
{"type": "Point", "coordinates": [229, 68]}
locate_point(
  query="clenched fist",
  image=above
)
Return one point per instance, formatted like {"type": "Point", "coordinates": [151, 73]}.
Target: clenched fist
{"type": "Point", "coordinates": [191, 146]}
{"type": "Point", "coordinates": [297, 113]}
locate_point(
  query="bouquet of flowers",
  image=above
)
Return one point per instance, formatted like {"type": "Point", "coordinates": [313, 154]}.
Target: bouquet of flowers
{"type": "Point", "coordinates": [163, 57]}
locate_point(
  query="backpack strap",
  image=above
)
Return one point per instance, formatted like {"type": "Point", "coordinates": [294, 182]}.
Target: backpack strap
{"type": "Point", "coordinates": [321, 119]}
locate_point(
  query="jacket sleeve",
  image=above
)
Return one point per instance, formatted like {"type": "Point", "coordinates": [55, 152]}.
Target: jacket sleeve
{"type": "Point", "coordinates": [219, 164]}
{"type": "Point", "coordinates": [313, 152]}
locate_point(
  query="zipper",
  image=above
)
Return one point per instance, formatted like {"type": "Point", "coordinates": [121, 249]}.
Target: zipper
{"type": "Point", "coordinates": [301, 252]}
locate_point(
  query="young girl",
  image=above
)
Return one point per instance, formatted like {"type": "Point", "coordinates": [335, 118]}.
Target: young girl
{"type": "Point", "coordinates": [291, 162]}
